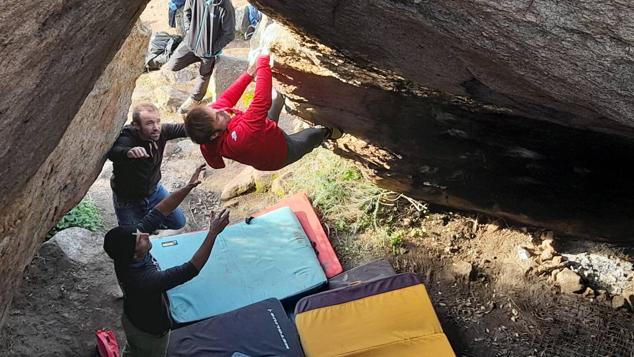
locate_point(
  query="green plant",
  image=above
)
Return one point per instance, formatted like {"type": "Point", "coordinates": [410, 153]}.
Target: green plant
{"type": "Point", "coordinates": [418, 232]}
{"type": "Point", "coordinates": [338, 189]}
{"type": "Point", "coordinates": [396, 241]}
{"type": "Point", "coordinates": [85, 215]}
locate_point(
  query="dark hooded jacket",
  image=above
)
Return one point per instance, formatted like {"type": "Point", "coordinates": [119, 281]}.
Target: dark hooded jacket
{"type": "Point", "coordinates": [210, 26]}
{"type": "Point", "coordinates": [137, 178]}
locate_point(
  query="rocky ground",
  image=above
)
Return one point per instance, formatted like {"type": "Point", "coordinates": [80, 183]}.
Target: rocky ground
{"type": "Point", "coordinates": [499, 289]}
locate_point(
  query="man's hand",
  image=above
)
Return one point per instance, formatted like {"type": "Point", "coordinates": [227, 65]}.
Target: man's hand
{"type": "Point", "coordinates": [195, 180]}
{"type": "Point", "coordinates": [218, 221]}
{"type": "Point", "coordinates": [137, 152]}
{"type": "Point", "coordinates": [169, 204]}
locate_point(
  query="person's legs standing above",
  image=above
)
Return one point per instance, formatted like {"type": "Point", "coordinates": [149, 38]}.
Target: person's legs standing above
{"type": "Point", "coordinates": [200, 85]}
{"type": "Point", "coordinates": [202, 80]}
{"type": "Point", "coordinates": [181, 58]}
{"type": "Point", "coordinates": [176, 219]}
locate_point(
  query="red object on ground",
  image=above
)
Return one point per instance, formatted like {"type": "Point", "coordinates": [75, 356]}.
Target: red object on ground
{"type": "Point", "coordinates": [303, 209]}
{"type": "Point", "coordinates": [107, 345]}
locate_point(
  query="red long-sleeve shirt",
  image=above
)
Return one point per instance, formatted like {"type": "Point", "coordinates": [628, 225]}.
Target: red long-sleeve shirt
{"type": "Point", "coordinates": [251, 137]}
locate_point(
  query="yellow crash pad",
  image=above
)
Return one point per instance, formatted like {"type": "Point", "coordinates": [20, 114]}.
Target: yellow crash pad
{"type": "Point", "coordinates": [387, 317]}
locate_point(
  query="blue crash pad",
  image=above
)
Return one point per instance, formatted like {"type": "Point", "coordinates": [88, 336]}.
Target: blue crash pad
{"type": "Point", "coordinates": [269, 258]}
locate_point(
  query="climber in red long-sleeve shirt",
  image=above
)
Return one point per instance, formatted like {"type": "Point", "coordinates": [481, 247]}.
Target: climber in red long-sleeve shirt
{"type": "Point", "coordinates": [251, 137]}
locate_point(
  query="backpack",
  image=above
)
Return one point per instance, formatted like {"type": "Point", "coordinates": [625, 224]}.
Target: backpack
{"type": "Point", "coordinates": [161, 47]}
{"type": "Point", "coordinates": [107, 345]}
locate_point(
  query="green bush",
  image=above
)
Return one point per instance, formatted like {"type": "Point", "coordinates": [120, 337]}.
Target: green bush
{"type": "Point", "coordinates": [85, 215]}
{"type": "Point", "coordinates": [339, 190]}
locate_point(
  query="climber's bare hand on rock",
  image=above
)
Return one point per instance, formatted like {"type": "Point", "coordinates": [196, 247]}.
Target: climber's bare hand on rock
{"type": "Point", "coordinates": [137, 152]}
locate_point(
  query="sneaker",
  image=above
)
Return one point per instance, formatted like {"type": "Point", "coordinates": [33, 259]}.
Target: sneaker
{"type": "Point", "coordinates": [250, 31]}
{"type": "Point", "coordinates": [188, 104]}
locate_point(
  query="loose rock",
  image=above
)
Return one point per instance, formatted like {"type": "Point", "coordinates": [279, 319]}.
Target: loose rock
{"type": "Point", "coordinates": [78, 244]}
{"type": "Point", "coordinates": [462, 270]}
{"type": "Point", "coordinates": [279, 185]}
{"type": "Point", "coordinates": [618, 301]}
{"type": "Point", "coordinates": [569, 281]}
{"type": "Point", "coordinates": [240, 184]}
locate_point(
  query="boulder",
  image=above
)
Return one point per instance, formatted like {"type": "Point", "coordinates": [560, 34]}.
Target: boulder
{"type": "Point", "coordinates": [186, 74]}
{"type": "Point", "coordinates": [447, 99]}
{"type": "Point", "coordinates": [74, 158]}
{"type": "Point", "coordinates": [78, 244]}
{"type": "Point", "coordinates": [240, 184]}
{"type": "Point", "coordinates": [169, 98]}
{"type": "Point", "coordinates": [53, 52]}
{"type": "Point", "coordinates": [226, 71]}
{"type": "Point", "coordinates": [564, 62]}
{"type": "Point", "coordinates": [569, 281]}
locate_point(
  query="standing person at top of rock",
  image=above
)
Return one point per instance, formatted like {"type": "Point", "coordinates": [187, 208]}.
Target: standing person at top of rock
{"type": "Point", "coordinates": [251, 137]}
{"type": "Point", "coordinates": [136, 167]}
{"type": "Point", "coordinates": [146, 318]}
{"type": "Point", "coordinates": [210, 26]}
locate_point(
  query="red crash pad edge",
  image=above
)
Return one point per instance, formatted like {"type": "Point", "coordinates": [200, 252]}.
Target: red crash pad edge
{"type": "Point", "coordinates": [303, 209]}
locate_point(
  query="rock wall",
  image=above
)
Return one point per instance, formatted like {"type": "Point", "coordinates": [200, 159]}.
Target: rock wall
{"type": "Point", "coordinates": [52, 54]}
{"type": "Point", "coordinates": [569, 62]}
{"type": "Point", "coordinates": [451, 148]}
{"type": "Point", "coordinates": [74, 161]}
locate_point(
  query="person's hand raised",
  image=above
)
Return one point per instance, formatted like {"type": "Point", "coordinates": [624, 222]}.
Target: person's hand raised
{"type": "Point", "coordinates": [218, 221]}
{"type": "Point", "coordinates": [196, 180]}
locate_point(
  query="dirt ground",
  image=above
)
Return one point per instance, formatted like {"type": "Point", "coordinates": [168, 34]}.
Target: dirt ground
{"type": "Point", "coordinates": [490, 295]}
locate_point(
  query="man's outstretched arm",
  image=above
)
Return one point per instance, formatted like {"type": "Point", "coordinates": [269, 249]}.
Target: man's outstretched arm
{"type": "Point", "coordinates": [169, 204]}
{"type": "Point", "coordinates": [218, 222]}
{"type": "Point", "coordinates": [153, 220]}
{"type": "Point", "coordinates": [162, 280]}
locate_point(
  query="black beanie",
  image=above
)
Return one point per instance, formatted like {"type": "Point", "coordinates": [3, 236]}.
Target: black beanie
{"type": "Point", "coordinates": [119, 243]}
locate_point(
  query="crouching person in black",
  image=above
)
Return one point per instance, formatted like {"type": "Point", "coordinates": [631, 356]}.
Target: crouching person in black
{"type": "Point", "coordinates": [146, 318]}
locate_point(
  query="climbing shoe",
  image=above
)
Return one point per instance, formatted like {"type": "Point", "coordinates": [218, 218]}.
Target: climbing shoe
{"type": "Point", "coordinates": [188, 104]}
{"type": "Point", "coordinates": [334, 133]}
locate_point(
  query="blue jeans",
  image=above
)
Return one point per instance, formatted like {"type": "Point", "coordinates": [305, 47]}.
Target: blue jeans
{"type": "Point", "coordinates": [131, 212]}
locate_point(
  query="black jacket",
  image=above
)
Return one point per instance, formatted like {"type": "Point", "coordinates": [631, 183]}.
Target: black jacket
{"type": "Point", "coordinates": [137, 178]}
{"type": "Point", "coordinates": [144, 285]}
